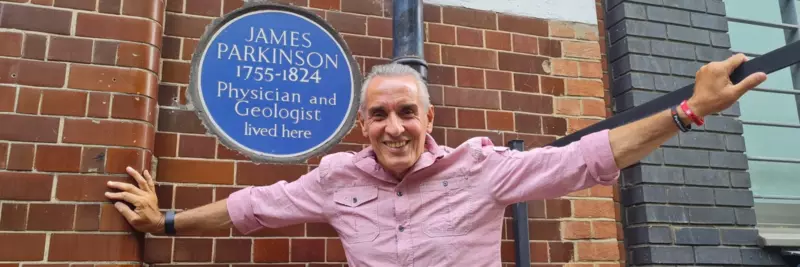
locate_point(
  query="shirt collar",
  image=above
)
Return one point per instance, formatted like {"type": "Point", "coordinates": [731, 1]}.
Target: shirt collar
{"type": "Point", "coordinates": [367, 161]}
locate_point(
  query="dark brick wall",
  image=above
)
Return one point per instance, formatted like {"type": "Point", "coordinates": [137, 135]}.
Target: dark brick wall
{"type": "Point", "coordinates": [689, 202]}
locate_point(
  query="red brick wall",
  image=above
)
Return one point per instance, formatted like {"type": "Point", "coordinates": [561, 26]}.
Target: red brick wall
{"type": "Point", "coordinates": [90, 86]}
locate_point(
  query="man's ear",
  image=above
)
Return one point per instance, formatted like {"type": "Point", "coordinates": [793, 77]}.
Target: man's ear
{"type": "Point", "coordinates": [360, 119]}
{"type": "Point", "coordinates": [430, 119]}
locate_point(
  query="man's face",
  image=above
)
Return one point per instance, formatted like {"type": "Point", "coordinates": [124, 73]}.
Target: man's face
{"type": "Point", "coordinates": [395, 122]}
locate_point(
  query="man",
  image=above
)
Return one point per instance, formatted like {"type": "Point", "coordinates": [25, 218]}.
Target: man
{"type": "Point", "coordinates": [405, 200]}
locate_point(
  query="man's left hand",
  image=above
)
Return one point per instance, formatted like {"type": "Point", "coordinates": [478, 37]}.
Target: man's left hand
{"type": "Point", "coordinates": [714, 91]}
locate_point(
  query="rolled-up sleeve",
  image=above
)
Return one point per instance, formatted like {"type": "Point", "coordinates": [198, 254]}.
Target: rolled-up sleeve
{"type": "Point", "coordinates": [278, 205]}
{"type": "Point", "coordinates": [550, 172]}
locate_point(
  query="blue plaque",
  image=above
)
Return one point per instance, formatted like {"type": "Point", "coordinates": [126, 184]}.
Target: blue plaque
{"type": "Point", "coordinates": [275, 82]}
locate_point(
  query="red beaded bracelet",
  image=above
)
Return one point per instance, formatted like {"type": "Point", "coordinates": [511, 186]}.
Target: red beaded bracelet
{"type": "Point", "coordinates": [697, 120]}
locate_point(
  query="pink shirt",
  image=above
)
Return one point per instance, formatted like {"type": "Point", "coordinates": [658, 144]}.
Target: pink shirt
{"type": "Point", "coordinates": [448, 211]}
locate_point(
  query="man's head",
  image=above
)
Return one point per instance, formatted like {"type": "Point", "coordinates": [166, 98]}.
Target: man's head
{"type": "Point", "coordinates": [396, 115]}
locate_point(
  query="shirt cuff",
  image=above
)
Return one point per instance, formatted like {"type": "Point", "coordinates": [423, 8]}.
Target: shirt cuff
{"type": "Point", "coordinates": [596, 150]}
{"type": "Point", "coordinates": [241, 211]}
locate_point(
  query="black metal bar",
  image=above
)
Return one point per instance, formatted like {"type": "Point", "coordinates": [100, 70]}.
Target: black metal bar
{"type": "Point", "coordinates": [775, 60]}
{"type": "Point", "coordinates": [519, 223]}
{"type": "Point", "coordinates": [408, 39]}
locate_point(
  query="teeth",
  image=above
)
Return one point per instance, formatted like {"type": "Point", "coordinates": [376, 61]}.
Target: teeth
{"type": "Point", "coordinates": [396, 144]}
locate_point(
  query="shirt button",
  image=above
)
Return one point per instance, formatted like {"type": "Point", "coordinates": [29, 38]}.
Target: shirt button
{"type": "Point", "coordinates": [399, 194]}
{"type": "Point", "coordinates": [401, 228]}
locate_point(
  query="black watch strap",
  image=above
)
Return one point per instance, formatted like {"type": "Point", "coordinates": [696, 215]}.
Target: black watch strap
{"type": "Point", "coordinates": [169, 223]}
{"type": "Point", "coordinates": [677, 119]}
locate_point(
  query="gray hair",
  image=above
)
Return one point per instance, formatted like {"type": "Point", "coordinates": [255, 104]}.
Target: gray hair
{"type": "Point", "coordinates": [394, 70]}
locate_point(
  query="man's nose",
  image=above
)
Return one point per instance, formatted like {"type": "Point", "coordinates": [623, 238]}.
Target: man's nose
{"type": "Point", "coordinates": [395, 126]}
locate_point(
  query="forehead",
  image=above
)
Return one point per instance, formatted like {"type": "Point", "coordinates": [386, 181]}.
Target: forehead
{"type": "Point", "coordinates": [383, 90]}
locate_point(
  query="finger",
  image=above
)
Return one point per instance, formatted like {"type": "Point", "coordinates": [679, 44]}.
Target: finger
{"type": "Point", "coordinates": [750, 82]}
{"type": "Point", "coordinates": [125, 211]}
{"type": "Point", "coordinates": [150, 182]}
{"type": "Point", "coordinates": [126, 187]}
{"type": "Point", "coordinates": [124, 196]}
{"type": "Point", "coordinates": [139, 179]}
{"type": "Point", "coordinates": [734, 62]}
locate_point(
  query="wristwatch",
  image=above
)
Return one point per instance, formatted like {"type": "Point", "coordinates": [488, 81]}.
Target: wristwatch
{"type": "Point", "coordinates": [169, 223]}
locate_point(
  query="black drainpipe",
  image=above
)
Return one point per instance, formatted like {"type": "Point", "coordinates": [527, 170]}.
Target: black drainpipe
{"type": "Point", "coordinates": [408, 35]}
{"type": "Point", "coordinates": [408, 44]}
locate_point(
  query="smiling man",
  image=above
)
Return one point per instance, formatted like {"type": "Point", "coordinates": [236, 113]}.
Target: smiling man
{"type": "Point", "coordinates": [405, 200]}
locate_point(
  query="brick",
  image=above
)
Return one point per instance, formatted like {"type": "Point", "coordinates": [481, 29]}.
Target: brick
{"type": "Point", "coordinates": [233, 250]}
{"type": "Point", "coordinates": [184, 26]}
{"type": "Point", "coordinates": [760, 257]}
{"type": "Point", "coordinates": [564, 67]}
{"type": "Point", "coordinates": [471, 98]}
{"type": "Point", "coordinates": [576, 124]}
{"type": "Point", "coordinates": [469, 57]}
{"type": "Point", "coordinates": [433, 53]}
{"type": "Point", "coordinates": [598, 251]}
{"type": "Point", "coordinates": [717, 255]}
{"type": "Point", "coordinates": [140, 56]}
{"type": "Point", "coordinates": [11, 45]}
{"type": "Point", "coordinates": [471, 119]}
{"type": "Point", "coordinates": [440, 33]}
{"type": "Point", "coordinates": [648, 235]}
{"type": "Point", "coordinates": [554, 125]}
{"type": "Point", "coordinates": [89, 247]}
{"type": "Point", "coordinates": [498, 40]}
{"type": "Point", "coordinates": [194, 171]}
{"type": "Point", "coordinates": [31, 18]}
{"type": "Point", "coordinates": [526, 25]}
{"type": "Point", "coordinates": [595, 108]}
{"type": "Point", "coordinates": [469, 17]}
{"type": "Point", "coordinates": [687, 4]}
{"type": "Point", "coordinates": [697, 236]}
{"type": "Point", "coordinates": [740, 179]}
{"type": "Point", "coordinates": [631, 45]}
{"type": "Point", "coordinates": [527, 103]}
{"type": "Point", "coordinates": [733, 197]}
{"type": "Point", "coordinates": [457, 137]}
{"type": "Point", "coordinates": [685, 68]}
{"type": "Point", "coordinates": [527, 123]}
{"type": "Point", "coordinates": [591, 69]}
{"type": "Point", "coordinates": [35, 46]}
{"type": "Point", "coordinates": [445, 117]}
{"type": "Point", "coordinates": [40, 217]}
{"type": "Point", "coordinates": [76, 4]}
{"type": "Point", "coordinates": [33, 73]}
{"type": "Point", "coordinates": [668, 15]}
{"type": "Point", "coordinates": [62, 102]}
{"type": "Point", "coordinates": [584, 50]}
{"type": "Point", "coordinates": [112, 220]}
{"type": "Point", "coordinates": [746, 237]}
{"type": "Point", "coordinates": [498, 80]}
{"type": "Point", "coordinates": [687, 34]}
{"type": "Point", "coordinates": [363, 7]}
{"type": "Point", "coordinates": [184, 121]}
{"type": "Point", "coordinates": [210, 8]}
{"type": "Point", "coordinates": [58, 158]}
{"type": "Point", "coordinates": [708, 54]}
{"type": "Point", "coordinates": [667, 83]}
{"type": "Point", "coordinates": [745, 216]}
{"type": "Point", "coordinates": [37, 2]}
{"type": "Point", "coordinates": [500, 121]}
{"type": "Point", "coordinates": [108, 79]}
{"type": "Point", "coordinates": [701, 140]}
{"type": "Point", "coordinates": [86, 188]}
{"type": "Point", "coordinates": [178, 72]}
{"type": "Point", "coordinates": [626, 10]}
{"type": "Point", "coordinates": [553, 86]}
{"type": "Point", "coordinates": [105, 52]}
{"type": "Point", "coordinates": [192, 250]}
{"type": "Point", "coordinates": [133, 108]}
{"type": "Point", "coordinates": [109, 6]}
{"type": "Point", "coordinates": [662, 255]}
{"type": "Point", "coordinates": [171, 48]}
{"type": "Point", "coordinates": [637, 28]}
{"type": "Point", "coordinates": [98, 105]}
{"type": "Point", "coordinates": [29, 100]}
{"type": "Point", "coordinates": [29, 128]}
{"type": "Point", "coordinates": [558, 252]}
{"type": "Point", "coordinates": [279, 249]}
{"type": "Point", "coordinates": [558, 208]}
{"type": "Point", "coordinates": [228, 5]}
{"type": "Point", "coordinates": [649, 213]}
{"type": "Point", "coordinates": [673, 49]}
{"type": "Point", "coordinates": [348, 23]}
{"type": "Point", "coordinates": [470, 78]}
{"type": "Point", "coordinates": [193, 146]}
{"type": "Point", "coordinates": [593, 209]}
{"type": "Point", "coordinates": [706, 177]}
{"type": "Point", "coordinates": [561, 29]}
{"type": "Point", "coordinates": [325, 4]}
{"type": "Point", "coordinates": [165, 194]}
{"type": "Point", "coordinates": [107, 132]}
{"type": "Point", "coordinates": [590, 88]}
{"type": "Point", "coordinates": [723, 124]}
{"type": "Point", "coordinates": [729, 160]}
{"type": "Point", "coordinates": [118, 28]}
{"type": "Point", "coordinates": [22, 246]}
{"type": "Point", "coordinates": [568, 107]}
{"type": "Point", "coordinates": [192, 197]}
{"type": "Point", "coordinates": [117, 159]}
{"type": "Point", "coordinates": [158, 250]}
{"type": "Point", "coordinates": [526, 83]}
{"type": "Point", "coordinates": [8, 97]}
{"type": "Point", "coordinates": [686, 157]}
{"type": "Point", "coordinates": [714, 215]}
{"type": "Point", "coordinates": [720, 39]}
{"type": "Point", "coordinates": [146, 9]}
{"type": "Point", "coordinates": [523, 63]}
{"type": "Point", "coordinates": [469, 37]}
{"type": "Point", "coordinates": [546, 230]}
{"type": "Point", "coordinates": [20, 157]}
{"type": "Point", "coordinates": [577, 230]}
{"type": "Point", "coordinates": [13, 216]}
{"type": "Point", "coordinates": [253, 174]}
{"type": "Point", "coordinates": [526, 44]}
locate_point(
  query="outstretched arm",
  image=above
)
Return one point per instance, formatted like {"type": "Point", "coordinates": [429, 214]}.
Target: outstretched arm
{"type": "Point", "coordinates": [713, 93]}
{"type": "Point", "coordinates": [146, 217]}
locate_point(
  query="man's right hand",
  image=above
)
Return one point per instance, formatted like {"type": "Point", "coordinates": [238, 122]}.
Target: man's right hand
{"type": "Point", "coordinates": [145, 216]}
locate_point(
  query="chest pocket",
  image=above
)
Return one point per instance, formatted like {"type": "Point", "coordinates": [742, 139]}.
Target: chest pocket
{"type": "Point", "coordinates": [447, 206]}
{"type": "Point", "coordinates": [357, 213]}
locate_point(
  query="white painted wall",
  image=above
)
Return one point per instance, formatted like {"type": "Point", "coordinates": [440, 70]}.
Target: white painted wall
{"type": "Point", "coordinates": [583, 11]}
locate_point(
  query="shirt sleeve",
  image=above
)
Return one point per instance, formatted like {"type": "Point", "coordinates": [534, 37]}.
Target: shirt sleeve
{"type": "Point", "coordinates": [278, 205]}
{"type": "Point", "coordinates": [550, 172]}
